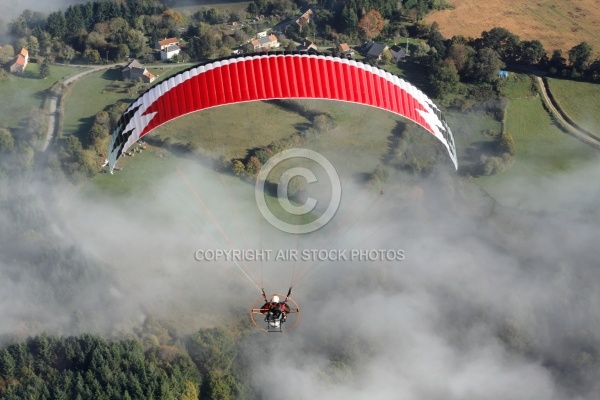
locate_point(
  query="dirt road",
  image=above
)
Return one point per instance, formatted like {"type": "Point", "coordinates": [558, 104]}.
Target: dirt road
{"type": "Point", "coordinates": [573, 130]}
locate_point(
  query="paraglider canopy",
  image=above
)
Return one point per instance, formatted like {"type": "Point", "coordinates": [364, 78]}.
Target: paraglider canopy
{"type": "Point", "coordinates": [291, 75]}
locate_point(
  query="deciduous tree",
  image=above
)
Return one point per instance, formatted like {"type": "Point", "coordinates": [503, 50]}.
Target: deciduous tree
{"type": "Point", "coordinates": [531, 52]}
{"type": "Point", "coordinates": [7, 143]}
{"type": "Point", "coordinates": [44, 69]}
{"type": "Point", "coordinates": [502, 41]}
{"type": "Point", "coordinates": [6, 53]}
{"type": "Point", "coordinates": [444, 78]}
{"type": "Point", "coordinates": [486, 66]}
{"type": "Point", "coordinates": [580, 54]}
{"type": "Point", "coordinates": [371, 24]}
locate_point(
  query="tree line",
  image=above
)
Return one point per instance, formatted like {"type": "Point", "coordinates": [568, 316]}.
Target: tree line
{"type": "Point", "coordinates": [152, 364]}
{"type": "Point", "coordinates": [97, 30]}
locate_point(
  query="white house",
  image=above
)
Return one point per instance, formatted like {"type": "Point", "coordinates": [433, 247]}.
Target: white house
{"type": "Point", "coordinates": [162, 44]}
{"type": "Point", "coordinates": [169, 52]}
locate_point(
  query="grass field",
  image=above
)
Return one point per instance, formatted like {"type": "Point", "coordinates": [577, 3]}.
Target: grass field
{"type": "Point", "coordinates": [558, 24]}
{"type": "Point", "coordinates": [233, 129]}
{"type": "Point", "coordinates": [87, 97]}
{"type": "Point", "coordinates": [20, 94]}
{"type": "Point", "coordinates": [543, 152]}
{"type": "Point", "coordinates": [90, 95]}
{"type": "Point", "coordinates": [470, 134]}
{"type": "Point", "coordinates": [581, 102]}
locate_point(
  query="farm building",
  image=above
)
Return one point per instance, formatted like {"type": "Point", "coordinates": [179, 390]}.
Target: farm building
{"type": "Point", "coordinates": [398, 53]}
{"type": "Point", "coordinates": [374, 50]}
{"type": "Point", "coordinates": [20, 62]}
{"type": "Point", "coordinates": [135, 71]}
{"type": "Point", "coordinates": [345, 50]}
{"type": "Point", "coordinates": [307, 45]}
{"type": "Point", "coordinates": [265, 43]}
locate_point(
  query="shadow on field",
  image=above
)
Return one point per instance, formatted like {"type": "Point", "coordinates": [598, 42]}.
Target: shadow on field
{"type": "Point", "coordinates": [112, 74]}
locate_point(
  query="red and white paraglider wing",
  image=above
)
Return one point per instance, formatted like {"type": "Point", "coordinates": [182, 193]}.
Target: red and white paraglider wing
{"type": "Point", "coordinates": [291, 76]}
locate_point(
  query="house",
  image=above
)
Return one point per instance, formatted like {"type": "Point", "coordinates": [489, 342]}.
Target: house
{"type": "Point", "coordinates": [262, 34]}
{"type": "Point", "coordinates": [162, 44]}
{"type": "Point", "coordinates": [134, 71]}
{"type": "Point", "coordinates": [265, 43]}
{"type": "Point", "coordinates": [305, 18]}
{"type": "Point", "coordinates": [345, 50]}
{"type": "Point", "coordinates": [307, 45]}
{"type": "Point", "coordinates": [398, 53]}
{"type": "Point", "coordinates": [169, 52]}
{"type": "Point", "coordinates": [374, 50]}
{"type": "Point", "coordinates": [20, 62]}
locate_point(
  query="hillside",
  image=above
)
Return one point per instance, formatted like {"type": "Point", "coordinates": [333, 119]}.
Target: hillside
{"type": "Point", "coordinates": [558, 24]}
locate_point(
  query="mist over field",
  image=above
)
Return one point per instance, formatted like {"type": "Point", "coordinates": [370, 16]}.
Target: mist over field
{"type": "Point", "coordinates": [490, 301]}
{"type": "Point", "coordinates": [493, 303]}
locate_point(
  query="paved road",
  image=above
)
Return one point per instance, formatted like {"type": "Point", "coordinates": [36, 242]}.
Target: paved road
{"type": "Point", "coordinates": [52, 113]}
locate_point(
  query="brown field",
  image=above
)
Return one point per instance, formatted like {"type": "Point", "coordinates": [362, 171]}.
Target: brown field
{"type": "Point", "coordinates": [558, 24]}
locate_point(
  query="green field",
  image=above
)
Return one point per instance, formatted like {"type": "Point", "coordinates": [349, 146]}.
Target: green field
{"type": "Point", "coordinates": [234, 129]}
{"type": "Point", "coordinates": [543, 152]}
{"type": "Point", "coordinates": [470, 135]}
{"type": "Point", "coordinates": [91, 94]}
{"type": "Point", "coordinates": [357, 144]}
{"type": "Point", "coordinates": [20, 94]}
{"type": "Point", "coordinates": [88, 96]}
{"type": "Point", "coordinates": [580, 101]}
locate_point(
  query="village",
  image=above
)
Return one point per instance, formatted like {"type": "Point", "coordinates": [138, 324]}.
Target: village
{"type": "Point", "coordinates": [177, 49]}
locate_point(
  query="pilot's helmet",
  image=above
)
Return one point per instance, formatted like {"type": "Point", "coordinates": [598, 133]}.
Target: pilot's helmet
{"type": "Point", "coordinates": [275, 299]}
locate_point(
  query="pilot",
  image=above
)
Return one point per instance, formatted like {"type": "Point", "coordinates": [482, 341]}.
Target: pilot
{"type": "Point", "coordinates": [276, 310]}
